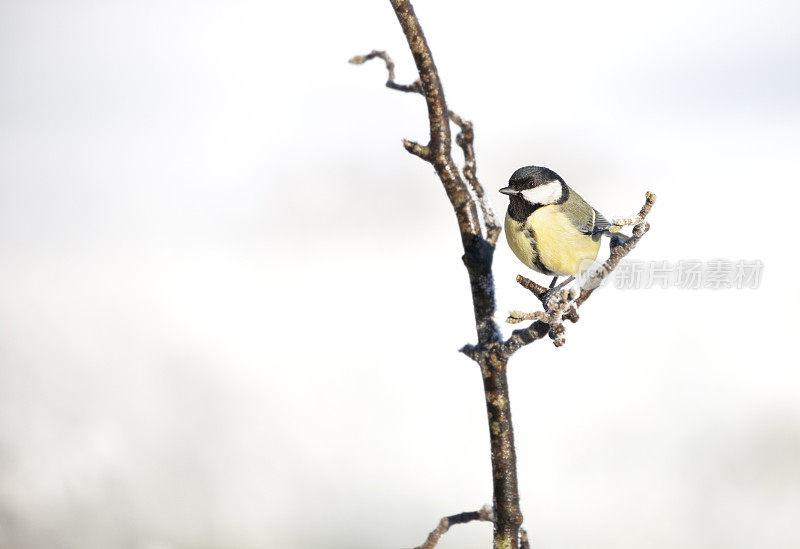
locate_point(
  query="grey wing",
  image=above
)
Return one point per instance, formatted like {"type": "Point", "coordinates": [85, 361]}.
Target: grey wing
{"type": "Point", "coordinates": [585, 218]}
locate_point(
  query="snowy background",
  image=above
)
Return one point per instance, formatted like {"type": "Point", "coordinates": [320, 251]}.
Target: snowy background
{"type": "Point", "coordinates": [230, 302]}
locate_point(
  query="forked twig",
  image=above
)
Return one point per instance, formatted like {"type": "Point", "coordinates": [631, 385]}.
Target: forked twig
{"type": "Point", "coordinates": [464, 139]}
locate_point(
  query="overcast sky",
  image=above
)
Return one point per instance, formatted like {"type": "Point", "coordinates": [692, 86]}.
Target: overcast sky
{"type": "Point", "coordinates": [230, 302]}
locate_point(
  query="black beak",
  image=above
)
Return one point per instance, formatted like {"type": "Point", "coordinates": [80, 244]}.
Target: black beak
{"type": "Point", "coordinates": [508, 191]}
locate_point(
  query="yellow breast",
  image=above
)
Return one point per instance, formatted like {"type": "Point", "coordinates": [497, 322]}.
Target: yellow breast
{"type": "Point", "coordinates": [549, 243]}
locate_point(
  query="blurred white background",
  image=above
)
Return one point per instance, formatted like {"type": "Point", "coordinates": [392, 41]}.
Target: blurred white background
{"type": "Point", "coordinates": [230, 302]}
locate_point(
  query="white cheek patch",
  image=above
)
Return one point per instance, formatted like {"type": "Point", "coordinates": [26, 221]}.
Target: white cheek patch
{"type": "Point", "coordinates": [548, 193]}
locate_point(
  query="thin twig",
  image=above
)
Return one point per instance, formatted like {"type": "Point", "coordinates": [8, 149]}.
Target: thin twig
{"type": "Point", "coordinates": [618, 251]}
{"type": "Point", "coordinates": [464, 139]}
{"type": "Point", "coordinates": [555, 307]}
{"type": "Point", "coordinates": [414, 87]}
{"type": "Point", "coordinates": [620, 222]}
{"type": "Point", "coordinates": [444, 525]}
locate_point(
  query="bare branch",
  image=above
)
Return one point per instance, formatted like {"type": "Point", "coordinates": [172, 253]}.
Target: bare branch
{"type": "Point", "coordinates": [555, 307]}
{"type": "Point", "coordinates": [444, 525]}
{"type": "Point", "coordinates": [619, 250]}
{"type": "Point", "coordinates": [418, 150]}
{"type": "Point", "coordinates": [414, 87]}
{"type": "Point", "coordinates": [470, 204]}
{"type": "Point", "coordinates": [537, 289]}
{"type": "Point", "coordinates": [467, 199]}
{"type": "Point", "coordinates": [464, 139]}
{"type": "Point", "coordinates": [620, 222]}
{"type": "Point", "coordinates": [524, 336]}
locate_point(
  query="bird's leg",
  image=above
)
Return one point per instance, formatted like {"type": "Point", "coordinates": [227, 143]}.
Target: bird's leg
{"type": "Point", "coordinates": [555, 289]}
{"type": "Point", "coordinates": [567, 281]}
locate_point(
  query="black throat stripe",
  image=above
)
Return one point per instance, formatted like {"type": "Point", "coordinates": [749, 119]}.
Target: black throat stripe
{"type": "Point", "coordinates": [519, 209]}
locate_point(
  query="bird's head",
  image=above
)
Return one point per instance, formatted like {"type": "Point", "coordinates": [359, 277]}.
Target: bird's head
{"type": "Point", "coordinates": [537, 186]}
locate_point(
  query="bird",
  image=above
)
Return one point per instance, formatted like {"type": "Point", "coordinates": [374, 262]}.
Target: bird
{"type": "Point", "coordinates": [549, 227]}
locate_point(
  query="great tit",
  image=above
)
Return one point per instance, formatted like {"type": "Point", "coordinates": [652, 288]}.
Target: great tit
{"type": "Point", "coordinates": [549, 227]}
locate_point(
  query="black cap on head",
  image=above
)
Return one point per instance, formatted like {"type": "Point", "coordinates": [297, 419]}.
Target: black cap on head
{"type": "Point", "coordinates": [531, 176]}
